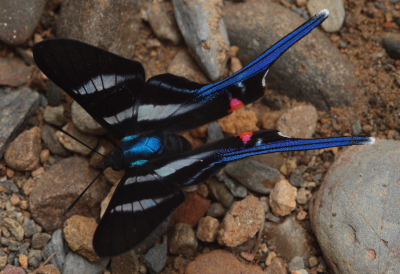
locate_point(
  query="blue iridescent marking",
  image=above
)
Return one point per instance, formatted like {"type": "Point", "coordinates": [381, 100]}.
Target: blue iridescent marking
{"type": "Point", "coordinates": [265, 60]}
{"type": "Point", "coordinates": [129, 138]}
{"type": "Point", "coordinates": [138, 162]}
{"type": "Point", "coordinates": [136, 149]}
{"type": "Point", "coordinates": [291, 145]}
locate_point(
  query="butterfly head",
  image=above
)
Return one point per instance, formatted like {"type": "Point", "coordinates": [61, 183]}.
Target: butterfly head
{"type": "Point", "coordinates": [115, 161]}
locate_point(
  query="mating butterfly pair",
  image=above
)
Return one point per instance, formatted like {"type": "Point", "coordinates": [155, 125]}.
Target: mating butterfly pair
{"type": "Point", "coordinates": [146, 116]}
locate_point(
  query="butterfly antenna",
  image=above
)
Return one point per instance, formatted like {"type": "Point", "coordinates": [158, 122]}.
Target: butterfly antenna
{"type": "Point", "coordinates": [66, 133]}
{"type": "Point", "coordinates": [80, 195]}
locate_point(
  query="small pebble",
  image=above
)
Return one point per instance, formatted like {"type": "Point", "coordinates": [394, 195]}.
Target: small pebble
{"type": "Point", "coordinates": [44, 155]}
{"type": "Point", "coordinates": [270, 257]}
{"type": "Point", "coordinates": [296, 263]}
{"type": "Point", "coordinates": [183, 240]}
{"type": "Point", "coordinates": [207, 229]}
{"type": "Point", "coordinates": [283, 198]}
{"type": "Point", "coordinates": [247, 256]}
{"type": "Point", "coordinates": [23, 260]}
{"type": "Point", "coordinates": [301, 215]}
{"type": "Point", "coordinates": [216, 210]}
{"type": "Point", "coordinates": [14, 199]}
{"type": "Point", "coordinates": [313, 261]}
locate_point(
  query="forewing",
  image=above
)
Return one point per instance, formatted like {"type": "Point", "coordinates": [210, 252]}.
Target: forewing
{"type": "Point", "coordinates": [140, 203]}
{"type": "Point", "coordinates": [106, 85]}
{"type": "Point", "coordinates": [172, 104]}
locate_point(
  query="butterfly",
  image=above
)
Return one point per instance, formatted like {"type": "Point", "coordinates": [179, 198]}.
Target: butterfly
{"type": "Point", "coordinates": [146, 117]}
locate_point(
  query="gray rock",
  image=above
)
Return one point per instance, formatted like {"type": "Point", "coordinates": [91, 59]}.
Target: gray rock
{"type": "Point", "coordinates": [220, 192]}
{"type": "Point", "coordinates": [274, 160]}
{"type": "Point", "coordinates": [29, 227]}
{"type": "Point", "coordinates": [296, 263]}
{"type": "Point", "coordinates": [56, 245]}
{"type": "Point", "coordinates": [391, 43]}
{"type": "Point", "coordinates": [312, 70]}
{"type": "Point", "coordinates": [50, 139]}
{"type": "Point", "coordinates": [19, 19]}
{"type": "Point", "coordinates": [14, 72]}
{"type": "Point", "coordinates": [355, 215]}
{"type": "Point", "coordinates": [254, 175]}
{"type": "Point", "coordinates": [298, 122]}
{"type": "Point", "coordinates": [336, 13]}
{"type": "Point", "coordinates": [203, 29]}
{"type": "Point", "coordinates": [11, 258]}
{"type": "Point", "coordinates": [356, 128]}
{"type": "Point", "coordinates": [236, 189]}
{"type": "Point", "coordinates": [84, 122]}
{"type": "Point", "coordinates": [39, 240]}
{"type": "Point", "coordinates": [72, 144]}
{"type": "Point", "coordinates": [15, 109]}
{"type": "Point", "coordinates": [34, 257]}
{"type": "Point", "coordinates": [75, 264]}
{"type": "Point", "coordinates": [216, 210]}
{"type": "Point", "coordinates": [43, 100]}
{"type": "Point", "coordinates": [53, 95]}
{"type": "Point", "coordinates": [54, 115]}
{"type": "Point", "coordinates": [289, 238]}
{"type": "Point", "coordinates": [99, 23]}
{"type": "Point", "coordinates": [184, 65]}
{"type": "Point", "coordinates": [156, 258]}
{"type": "Point", "coordinates": [162, 21]}
{"type": "Point", "coordinates": [296, 178]}
{"type": "Point", "coordinates": [23, 248]}
{"type": "Point", "coordinates": [183, 240]}
{"type": "Point", "coordinates": [214, 132]}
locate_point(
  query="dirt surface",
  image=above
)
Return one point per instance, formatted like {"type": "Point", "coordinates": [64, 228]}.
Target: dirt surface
{"type": "Point", "coordinates": [376, 108]}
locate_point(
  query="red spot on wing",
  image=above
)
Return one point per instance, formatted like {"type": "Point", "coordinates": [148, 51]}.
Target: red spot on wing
{"type": "Point", "coordinates": [245, 136]}
{"type": "Point", "coordinates": [235, 104]}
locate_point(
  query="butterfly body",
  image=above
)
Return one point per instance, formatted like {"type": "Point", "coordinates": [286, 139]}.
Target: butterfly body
{"type": "Point", "coordinates": [146, 117]}
{"type": "Point", "coordinates": [136, 150]}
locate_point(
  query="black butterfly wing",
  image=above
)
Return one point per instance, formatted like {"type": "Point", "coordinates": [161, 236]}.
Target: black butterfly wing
{"type": "Point", "coordinates": [141, 202]}
{"type": "Point", "coordinates": [198, 165]}
{"type": "Point", "coordinates": [147, 195]}
{"type": "Point", "coordinates": [106, 85]}
{"type": "Point", "coordinates": [111, 88]}
{"type": "Point", "coordinates": [172, 104]}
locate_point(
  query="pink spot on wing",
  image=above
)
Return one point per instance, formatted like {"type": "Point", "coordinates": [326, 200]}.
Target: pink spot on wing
{"type": "Point", "coordinates": [235, 104]}
{"type": "Point", "coordinates": [245, 136]}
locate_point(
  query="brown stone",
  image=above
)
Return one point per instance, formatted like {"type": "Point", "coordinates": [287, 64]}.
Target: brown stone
{"type": "Point", "coordinates": [241, 222]}
{"type": "Point", "coordinates": [24, 152]}
{"type": "Point", "coordinates": [191, 210]}
{"type": "Point", "coordinates": [241, 120]}
{"type": "Point", "coordinates": [59, 186]}
{"type": "Point", "coordinates": [220, 261]}
{"type": "Point", "coordinates": [283, 198]}
{"type": "Point", "coordinates": [79, 231]}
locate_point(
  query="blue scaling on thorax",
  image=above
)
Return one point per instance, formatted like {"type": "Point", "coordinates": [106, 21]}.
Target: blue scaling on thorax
{"type": "Point", "coordinates": [138, 150]}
